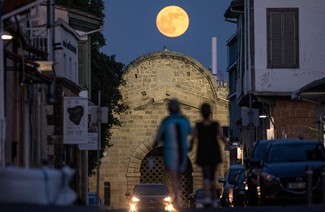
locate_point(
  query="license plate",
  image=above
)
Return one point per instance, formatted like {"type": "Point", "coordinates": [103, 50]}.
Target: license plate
{"type": "Point", "coordinates": [296, 185]}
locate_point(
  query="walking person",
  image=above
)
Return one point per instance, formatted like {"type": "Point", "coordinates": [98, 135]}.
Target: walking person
{"type": "Point", "coordinates": [207, 133]}
{"type": "Point", "coordinates": [173, 133]}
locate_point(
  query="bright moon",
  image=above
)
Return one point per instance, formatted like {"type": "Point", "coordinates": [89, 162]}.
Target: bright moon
{"type": "Point", "coordinates": [172, 21]}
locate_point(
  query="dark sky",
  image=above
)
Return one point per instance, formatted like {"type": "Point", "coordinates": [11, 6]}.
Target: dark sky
{"type": "Point", "coordinates": [130, 30]}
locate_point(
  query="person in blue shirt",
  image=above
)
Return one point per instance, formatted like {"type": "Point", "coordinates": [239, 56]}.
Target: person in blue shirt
{"type": "Point", "coordinates": [173, 133]}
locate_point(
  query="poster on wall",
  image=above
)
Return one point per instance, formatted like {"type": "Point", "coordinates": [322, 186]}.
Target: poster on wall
{"type": "Point", "coordinates": [75, 120]}
{"type": "Point", "coordinates": [92, 143]}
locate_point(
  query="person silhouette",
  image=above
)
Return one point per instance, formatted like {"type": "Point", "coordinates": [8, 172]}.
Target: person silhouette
{"type": "Point", "coordinates": [173, 132]}
{"type": "Point", "coordinates": [207, 133]}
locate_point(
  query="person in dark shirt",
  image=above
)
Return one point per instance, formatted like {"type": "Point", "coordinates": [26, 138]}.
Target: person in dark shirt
{"type": "Point", "coordinates": [207, 133]}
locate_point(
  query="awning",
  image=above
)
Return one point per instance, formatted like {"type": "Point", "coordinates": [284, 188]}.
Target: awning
{"type": "Point", "coordinates": [235, 8]}
{"type": "Point", "coordinates": [314, 91]}
{"type": "Point", "coordinates": [14, 7]}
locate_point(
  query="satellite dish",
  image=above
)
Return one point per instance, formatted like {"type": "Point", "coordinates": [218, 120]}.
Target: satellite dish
{"type": "Point", "coordinates": [322, 118]}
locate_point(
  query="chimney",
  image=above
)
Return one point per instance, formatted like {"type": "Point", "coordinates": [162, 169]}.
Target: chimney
{"type": "Point", "coordinates": [214, 58]}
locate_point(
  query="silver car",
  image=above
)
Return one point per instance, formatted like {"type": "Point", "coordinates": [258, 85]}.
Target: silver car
{"type": "Point", "coordinates": [150, 196]}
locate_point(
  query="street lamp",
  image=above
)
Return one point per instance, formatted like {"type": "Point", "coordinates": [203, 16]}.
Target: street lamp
{"type": "Point", "coordinates": [6, 36]}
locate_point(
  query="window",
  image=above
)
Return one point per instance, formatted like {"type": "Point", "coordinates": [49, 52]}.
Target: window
{"type": "Point", "coordinates": [282, 38]}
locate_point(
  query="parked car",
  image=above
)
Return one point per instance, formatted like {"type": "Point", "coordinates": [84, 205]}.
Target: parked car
{"type": "Point", "coordinates": [94, 199]}
{"type": "Point", "coordinates": [240, 189]}
{"type": "Point", "coordinates": [253, 167]}
{"type": "Point", "coordinates": [197, 199]}
{"type": "Point", "coordinates": [150, 196]}
{"type": "Point", "coordinates": [228, 182]}
{"type": "Point", "coordinates": [283, 171]}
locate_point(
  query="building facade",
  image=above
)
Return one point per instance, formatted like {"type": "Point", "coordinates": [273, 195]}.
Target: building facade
{"type": "Point", "coordinates": [150, 82]}
{"type": "Point", "coordinates": [41, 67]}
{"type": "Point", "coordinates": [279, 52]}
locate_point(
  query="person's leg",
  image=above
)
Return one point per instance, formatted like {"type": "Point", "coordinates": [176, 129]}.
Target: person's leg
{"type": "Point", "coordinates": [214, 196]}
{"type": "Point", "coordinates": [176, 185]}
{"type": "Point", "coordinates": [207, 183]}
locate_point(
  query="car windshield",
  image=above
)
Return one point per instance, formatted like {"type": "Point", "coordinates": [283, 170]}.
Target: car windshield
{"type": "Point", "coordinates": [259, 151]}
{"type": "Point", "coordinates": [240, 177]}
{"type": "Point", "coordinates": [92, 200]}
{"type": "Point", "coordinates": [232, 175]}
{"type": "Point", "coordinates": [200, 194]}
{"type": "Point", "coordinates": [295, 152]}
{"type": "Point", "coordinates": [150, 190]}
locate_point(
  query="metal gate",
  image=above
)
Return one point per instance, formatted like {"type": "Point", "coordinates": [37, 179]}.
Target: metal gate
{"type": "Point", "coordinates": [152, 170]}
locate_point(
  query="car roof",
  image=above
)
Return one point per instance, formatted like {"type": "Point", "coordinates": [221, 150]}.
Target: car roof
{"type": "Point", "coordinates": [237, 166]}
{"type": "Point", "coordinates": [289, 141]}
{"type": "Point", "coordinates": [150, 188]}
{"type": "Point", "coordinates": [150, 184]}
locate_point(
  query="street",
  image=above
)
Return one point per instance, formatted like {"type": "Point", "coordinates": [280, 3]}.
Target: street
{"type": "Point", "coordinates": [17, 208]}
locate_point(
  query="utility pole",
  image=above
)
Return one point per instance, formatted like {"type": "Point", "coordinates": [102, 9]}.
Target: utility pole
{"type": "Point", "coordinates": [99, 121]}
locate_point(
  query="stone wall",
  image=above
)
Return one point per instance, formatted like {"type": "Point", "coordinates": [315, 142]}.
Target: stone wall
{"type": "Point", "coordinates": [295, 119]}
{"type": "Point", "coordinates": [151, 81]}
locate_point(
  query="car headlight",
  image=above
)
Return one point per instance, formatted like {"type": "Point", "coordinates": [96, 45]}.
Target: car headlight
{"type": "Point", "coordinates": [199, 205]}
{"type": "Point", "coordinates": [167, 199]}
{"type": "Point", "coordinates": [135, 199]}
{"type": "Point", "coordinates": [169, 207]}
{"type": "Point", "coordinates": [133, 207]}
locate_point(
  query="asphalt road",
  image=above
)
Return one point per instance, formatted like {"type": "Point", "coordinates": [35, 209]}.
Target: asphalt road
{"type": "Point", "coordinates": [313, 208]}
{"type": "Point", "coordinates": [20, 208]}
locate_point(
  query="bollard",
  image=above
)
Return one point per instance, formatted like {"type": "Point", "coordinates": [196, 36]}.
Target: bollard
{"type": "Point", "coordinates": [323, 184]}
{"type": "Point", "coordinates": [309, 189]}
{"type": "Point", "coordinates": [107, 193]}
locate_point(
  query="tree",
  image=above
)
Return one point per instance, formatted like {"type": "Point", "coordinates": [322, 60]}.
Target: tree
{"type": "Point", "coordinates": [106, 76]}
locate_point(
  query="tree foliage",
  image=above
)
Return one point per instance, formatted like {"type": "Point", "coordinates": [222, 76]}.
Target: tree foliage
{"type": "Point", "coordinates": [106, 76]}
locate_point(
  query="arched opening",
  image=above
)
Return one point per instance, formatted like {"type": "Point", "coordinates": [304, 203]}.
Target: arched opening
{"type": "Point", "coordinates": [152, 170]}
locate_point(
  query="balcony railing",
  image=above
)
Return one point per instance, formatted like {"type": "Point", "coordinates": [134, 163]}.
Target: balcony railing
{"type": "Point", "coordinates": [38, 40]}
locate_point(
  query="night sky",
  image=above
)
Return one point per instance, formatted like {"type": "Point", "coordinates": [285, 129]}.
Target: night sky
{"type": "Point", "coordinates": [130, 30]}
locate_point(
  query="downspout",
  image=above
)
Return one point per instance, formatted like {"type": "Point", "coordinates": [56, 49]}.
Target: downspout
{"type": "Point", "coordinates": [248, 60]}
{"type": "Point", "coordinates": [2, 97]}
{"type": "Point", "coordinates": [251, 128]}
{"type": "Point", "coordinates": [51, 95]}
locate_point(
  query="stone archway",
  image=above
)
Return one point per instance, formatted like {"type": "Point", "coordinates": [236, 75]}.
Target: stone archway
{"type": "Point", "coordinates": [151, 81]}
{"type": "Point", "coordinates": [152, 170]}
{"type": "Point", "coordinates": [156, 172]}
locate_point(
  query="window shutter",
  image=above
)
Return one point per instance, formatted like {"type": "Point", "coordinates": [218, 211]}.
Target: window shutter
{"type": "Point", "coordinates": [282, 38]}
{"type": "Point", "coordinates": [275, 39]}
{"type": "Point", "coordinates": [289, 39]}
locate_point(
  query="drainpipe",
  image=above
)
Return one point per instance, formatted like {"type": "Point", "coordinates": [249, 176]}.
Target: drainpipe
{"type": "Point", "coordinates": [248, 71]}
{"type": "Point", "coordinates": [51, 95]}
{"type": "Point", "coordinates": [2, 97]}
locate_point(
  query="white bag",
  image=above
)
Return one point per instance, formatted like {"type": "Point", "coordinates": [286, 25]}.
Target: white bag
{"type": "Point", "coordinates": [44, 186]}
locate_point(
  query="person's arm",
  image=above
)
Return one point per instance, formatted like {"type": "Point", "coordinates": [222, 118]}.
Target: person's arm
{"type": "Point", "coordinates": [158, 136]}
{"type": "Point", "coordinates": [193, 137]}
{"type": "Point", "coordinates": [221, 136]}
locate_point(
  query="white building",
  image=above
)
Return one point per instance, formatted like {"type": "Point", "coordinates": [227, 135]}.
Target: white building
{"type": "Point", "coordinates": [280, 50]}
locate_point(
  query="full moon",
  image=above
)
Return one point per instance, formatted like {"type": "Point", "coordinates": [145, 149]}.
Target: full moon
{"type": "Point", "coordinates": [172, 21]}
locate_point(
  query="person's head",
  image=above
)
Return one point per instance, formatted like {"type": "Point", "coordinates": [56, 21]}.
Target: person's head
{"type": "Point", "coordinates": [173, 106]}
{"type": "Point", "coordinates": [205, 110]}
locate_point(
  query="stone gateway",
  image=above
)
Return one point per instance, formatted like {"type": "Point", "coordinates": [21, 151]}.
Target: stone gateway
{"type": "Point", "coordinates": [151, 82]}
